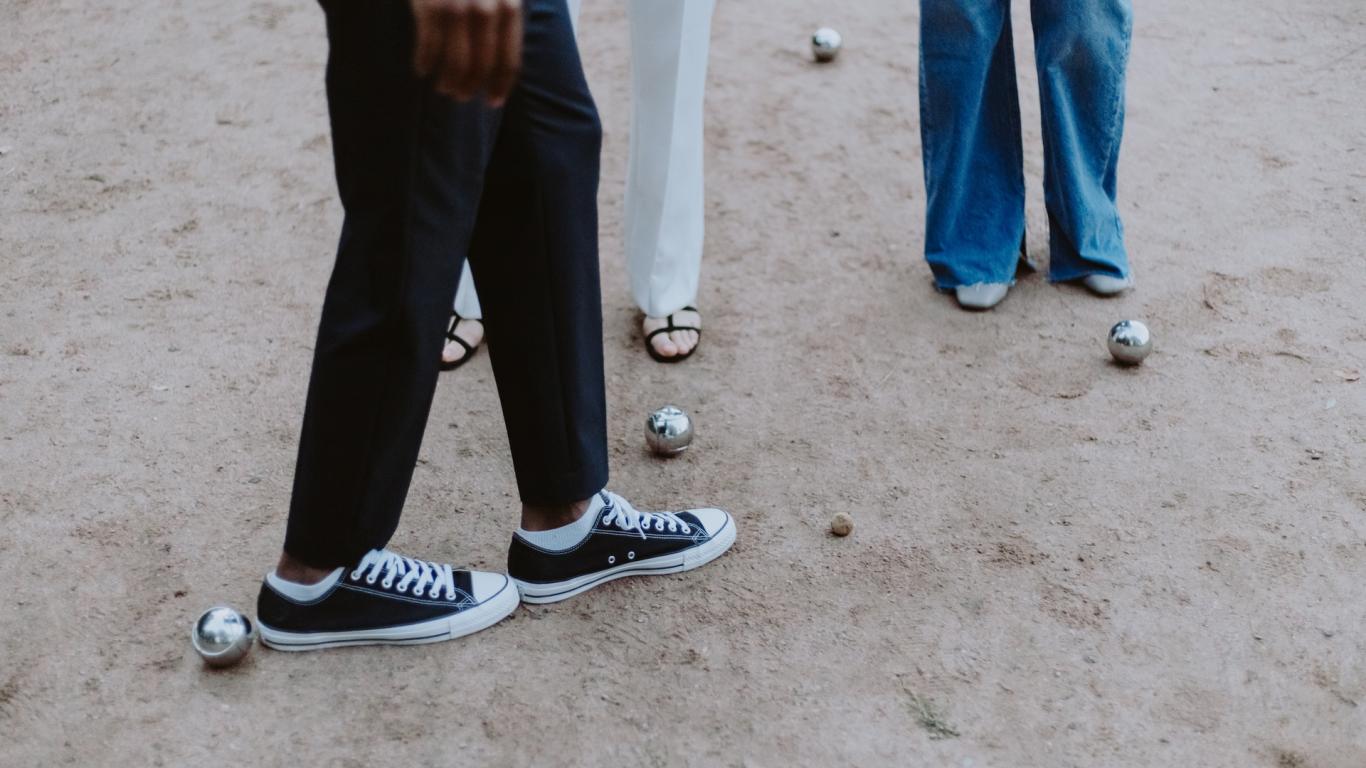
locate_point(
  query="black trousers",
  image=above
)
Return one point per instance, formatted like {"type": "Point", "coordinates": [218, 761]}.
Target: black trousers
{"type": "Point", "coordinates": [425, 182]}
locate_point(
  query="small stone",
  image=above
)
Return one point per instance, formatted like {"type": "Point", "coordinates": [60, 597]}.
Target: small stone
{"type": "Point", "coordinates": [841, 524]}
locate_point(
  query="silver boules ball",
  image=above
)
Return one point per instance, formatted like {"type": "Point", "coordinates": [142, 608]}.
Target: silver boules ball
{"type": "Point", "coordinates": [222, 636]}
{"type": "Point", "coordinates": [825, 44]}
{"type": "Point", "coordinates": [668, 431]}
{"type": "Point", "coordinates": [1129, 342]}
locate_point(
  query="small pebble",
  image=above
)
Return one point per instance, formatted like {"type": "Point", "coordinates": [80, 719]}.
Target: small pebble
{"type": "Point", "coordinates": [841, 524]}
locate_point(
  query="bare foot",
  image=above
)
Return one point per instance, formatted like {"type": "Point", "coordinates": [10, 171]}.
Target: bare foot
{"type": "Point", "coordinates": [674, 343]}
{"type": "Point", "coordinates": [471, 331]}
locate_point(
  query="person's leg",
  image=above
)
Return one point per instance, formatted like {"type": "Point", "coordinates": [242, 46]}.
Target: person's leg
{"type": "Point", "coordinates": [410, 167]}
{"type": "Point", "coordinates": [535, 258]}
{"type": "Point", "coordinates": [1082, 50]}
{"type": "Point", "coordinates": [467, 324]}
{"type": "Point", "coordinates": [537, 266]}
{"type": "Point", "coordinates": [971, 144]}
{"type": "Point", "coordinates": [665, 206]}
{"type": "Point", "coordinates": [466, 296]}
{"type": "Point", "coordinates": [465, 332]}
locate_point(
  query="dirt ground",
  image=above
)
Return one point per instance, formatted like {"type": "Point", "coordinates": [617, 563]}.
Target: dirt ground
{"type": "Point", "coordinates": [1057, 562]}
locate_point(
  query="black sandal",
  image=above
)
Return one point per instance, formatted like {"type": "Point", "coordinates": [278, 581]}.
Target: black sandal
{"type": "Point", "coordinates": [450, 336]}
{"type": "Point", "coordinates": [670, 328]}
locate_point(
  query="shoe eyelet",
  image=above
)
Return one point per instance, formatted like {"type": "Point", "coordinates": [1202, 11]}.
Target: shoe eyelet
{"type": "Point", "coordinates": [387, 584]}
{"type": "Point", "coordinates": [611, 559]}
{"type": "Point", "coordinates": [402, 589]}
{"type": "Point", "coordinates": [371, 579]}
{"type": "Point", "coordinates": [419, 592]}
{"type": "Point", "coordinates": [630, 555]}
{"type": "Point", "coordinates": [355, 575]}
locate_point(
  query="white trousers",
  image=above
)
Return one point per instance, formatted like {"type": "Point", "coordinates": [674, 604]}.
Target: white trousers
{"type": "Point", "coordinates": [665, 208]}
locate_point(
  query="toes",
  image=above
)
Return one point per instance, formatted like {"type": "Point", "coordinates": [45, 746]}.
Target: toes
{"type": "Point", "coordinates": [453, 353]}
{"type": "Point", "coordinates": [684, 341]}
{"type": "Point", "coordinates": [673, 343]}
{"type": "Point", "coordinates": [665, 345]}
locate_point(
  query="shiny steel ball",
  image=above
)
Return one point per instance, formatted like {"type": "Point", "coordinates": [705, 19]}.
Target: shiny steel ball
{"type": "Point", "coordinates": [1129, 342]}
{"type": "Point", "coordinates": [668, 431]}
{"type": "Point", "coordinates": [825, 44]}
{"type": "Point", "coordinates": [222, 636]}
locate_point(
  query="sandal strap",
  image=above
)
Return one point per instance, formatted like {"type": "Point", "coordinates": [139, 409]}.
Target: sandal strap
{"type": "Point", "coordinates": [669, 326]}
{"type": "Point", "coordinates": [665, 329]}
{"type": "Point", "coordinates": [468, 349]}
{"type": "Point", "coordinates": [451, 335]}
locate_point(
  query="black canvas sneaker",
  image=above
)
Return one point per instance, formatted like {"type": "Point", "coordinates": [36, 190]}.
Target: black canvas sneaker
{"type": "Point", "coordinates": [385, 599]}
{"type": "Point", "coordinates": [622, 542]}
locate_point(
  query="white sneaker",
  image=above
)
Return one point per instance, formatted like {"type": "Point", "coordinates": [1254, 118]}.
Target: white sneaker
{"type": "Point", "coordinates": [980, 295]}
{"type": "Point", "coordinates": [1106, 285]}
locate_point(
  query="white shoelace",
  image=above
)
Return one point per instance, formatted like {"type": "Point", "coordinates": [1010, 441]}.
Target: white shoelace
{"type": "Point", "coordinates": [411, 573]}
{"type": "Point", "coordinates": [627, 518]}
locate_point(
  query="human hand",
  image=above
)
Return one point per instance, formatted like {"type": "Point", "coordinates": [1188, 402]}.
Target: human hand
{"type": "Point", "coordinates": [469, 47]}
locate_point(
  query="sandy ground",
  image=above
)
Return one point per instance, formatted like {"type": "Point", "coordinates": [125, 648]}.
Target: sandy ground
{"type": "Point", "coordinates": [1057, 562]}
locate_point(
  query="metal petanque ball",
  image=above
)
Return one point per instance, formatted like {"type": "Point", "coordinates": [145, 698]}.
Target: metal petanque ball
{"type": "Point", "coordinates": [825, 44]}
{"type": "Point", "coordinates": [1129, 342]}
{"type": "Point", "coordinates": [222, 636]}
{"type": "Point", "coordinates": [668, 431]}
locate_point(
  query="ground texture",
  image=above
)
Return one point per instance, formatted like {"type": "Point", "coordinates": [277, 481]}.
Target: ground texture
{"type": "Point", "coordinates": [1056, 562]}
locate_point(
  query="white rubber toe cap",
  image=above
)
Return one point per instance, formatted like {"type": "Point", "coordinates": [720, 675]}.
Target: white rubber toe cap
{"type": "Point", "coordinates": [1106, 285]}
{"type": "Point", "coordinates": [712, 519]}
{"type": "Point", "coordinates": [485, 585]}
{"type": "Point", "coordinates": [980, 295]}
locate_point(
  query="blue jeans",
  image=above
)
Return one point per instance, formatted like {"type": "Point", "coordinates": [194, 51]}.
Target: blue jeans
{"type": "Point", "coordinates": [970, 131]}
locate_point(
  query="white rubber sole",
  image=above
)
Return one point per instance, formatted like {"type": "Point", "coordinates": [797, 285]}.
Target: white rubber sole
{"type": "Point", "coordinates": [467, 622]}
{"type": "Point", "coordinates": [677, 562]}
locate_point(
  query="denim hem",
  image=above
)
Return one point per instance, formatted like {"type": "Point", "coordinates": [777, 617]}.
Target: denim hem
{"type": "Point", "coordinates": [944, 286]}
{"type": "Point", "coordinates": [946, 283]}
{"type": "Point", "coordinates": [1073, 275]}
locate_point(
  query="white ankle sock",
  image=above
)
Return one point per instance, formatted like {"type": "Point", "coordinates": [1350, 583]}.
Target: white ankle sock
{"type": "Point", "coordinates": [565, 536]}
{"type": "Point", "coordinates": [302, 593]}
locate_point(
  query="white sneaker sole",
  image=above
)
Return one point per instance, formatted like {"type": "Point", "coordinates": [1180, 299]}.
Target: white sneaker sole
{"type": "Point", "coordinates": [466, 622]}
{"type": "Point", "coordinates": [676, 562]}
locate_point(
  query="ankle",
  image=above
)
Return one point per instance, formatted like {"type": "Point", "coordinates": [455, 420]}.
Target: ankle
{"type": "Point", "coordinates": [544, 518]}
{"type": "Point", "coordinates": [293, 570]}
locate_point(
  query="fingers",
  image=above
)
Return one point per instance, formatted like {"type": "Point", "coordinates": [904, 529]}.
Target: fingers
{"type": "Point", "coordinates": [508, 60]}
{"type": "Point", "coordinates": [484, 40]}
{"type": "Point", "coordinates": [452, 78]}
{"type": "Point", "coordinates": [469, 46]}
{"type": "Point", "coordinates": [429, 46]}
